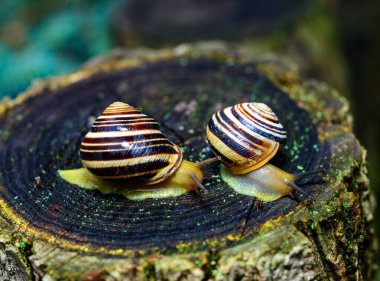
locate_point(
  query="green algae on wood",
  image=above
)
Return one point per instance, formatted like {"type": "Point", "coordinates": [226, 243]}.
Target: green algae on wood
{"type": "Point", "coordinates": [205, 233]}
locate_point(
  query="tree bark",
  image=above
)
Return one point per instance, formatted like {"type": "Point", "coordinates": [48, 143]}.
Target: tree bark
{"type": "Point", "coordinates": [51, 230]}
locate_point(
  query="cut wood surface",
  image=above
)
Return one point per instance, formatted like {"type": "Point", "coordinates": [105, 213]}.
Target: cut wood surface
{"type": "Point", "coordinates": [56, 231]}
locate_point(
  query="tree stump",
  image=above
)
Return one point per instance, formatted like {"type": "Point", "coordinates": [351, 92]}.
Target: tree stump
{"type": "Point", "coordinates": [51, 230]}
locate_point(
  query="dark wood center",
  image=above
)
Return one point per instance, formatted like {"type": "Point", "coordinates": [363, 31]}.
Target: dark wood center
{"type": "Point", "coordinates": [43, 134]}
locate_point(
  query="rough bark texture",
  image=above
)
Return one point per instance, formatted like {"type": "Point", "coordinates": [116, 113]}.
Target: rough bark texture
{"type": "Point", "coordinates": [53, 231]}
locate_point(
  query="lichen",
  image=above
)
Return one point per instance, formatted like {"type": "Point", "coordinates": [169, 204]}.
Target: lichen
{"type": "Point", "coordinates": [256, 254]}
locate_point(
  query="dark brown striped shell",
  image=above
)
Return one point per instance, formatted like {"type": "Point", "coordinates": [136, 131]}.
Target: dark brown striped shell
{"type": "Point", "coordinates": [245, 136]}
{"type": "Point", "coordinates": [125, 144]}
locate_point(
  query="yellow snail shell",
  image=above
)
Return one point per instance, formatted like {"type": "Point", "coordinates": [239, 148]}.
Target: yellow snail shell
{"type": "Point", "coordinates": [125, 152]}
{"type": "Point", "coordinates": [246, 136]}
{"type": "Point", "coordinates": [124, 143]}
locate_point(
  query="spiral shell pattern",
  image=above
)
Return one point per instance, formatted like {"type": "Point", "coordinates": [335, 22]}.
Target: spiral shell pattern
{"type": "Point", "coordinates": [125, 144]}
{"type": "Point", "coordinates": [245, 136]}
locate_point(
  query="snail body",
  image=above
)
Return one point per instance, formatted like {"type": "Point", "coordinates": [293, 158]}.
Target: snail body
{"type": "Point", "coordinates": [246, 136]}
{"type": "Point", "coordinates": [125, 149]}
{"type": "Point", "coordinates": [267, 183]}
{"type": "Point", "coordinates": [172, 187]}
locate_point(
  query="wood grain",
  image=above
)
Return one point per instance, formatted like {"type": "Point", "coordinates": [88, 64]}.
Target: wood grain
{"type": "Point", "coordinates": [74, 233]}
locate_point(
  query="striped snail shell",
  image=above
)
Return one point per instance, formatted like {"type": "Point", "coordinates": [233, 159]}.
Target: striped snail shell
{"type": "Point", "coordinates": [124, 143]}
{"type": "Point", "coordinates": [246, 136]}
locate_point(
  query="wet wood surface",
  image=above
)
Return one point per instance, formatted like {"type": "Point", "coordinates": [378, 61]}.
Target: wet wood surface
{"type": "Point", "coordinates": [62, 231]}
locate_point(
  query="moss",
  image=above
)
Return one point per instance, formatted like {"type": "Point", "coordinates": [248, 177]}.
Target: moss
{"type": "Point", "coordinates": [150, 271]}
{"type": "Point", "coordinates": [333, 203]}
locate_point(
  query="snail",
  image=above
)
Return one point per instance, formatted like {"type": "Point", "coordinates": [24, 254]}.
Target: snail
{"type": "Point", "coordinates": [125, 152]}
{"type": "Point", "coordinates": [246, 136]}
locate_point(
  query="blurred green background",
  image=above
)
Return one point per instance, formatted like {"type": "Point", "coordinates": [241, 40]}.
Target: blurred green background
{"type": "Point", "coordinates": [334, 41]}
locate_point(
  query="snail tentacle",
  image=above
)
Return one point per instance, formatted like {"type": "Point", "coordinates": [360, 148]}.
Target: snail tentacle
{"type": "Point", "coordinates": [296, 187]}
{"type": "Point", "coordinates": [198, 183]}
{"type": "Point", "coordinates": [207, 162]}
{"type": "Point", "coordinates": [298, 176]}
